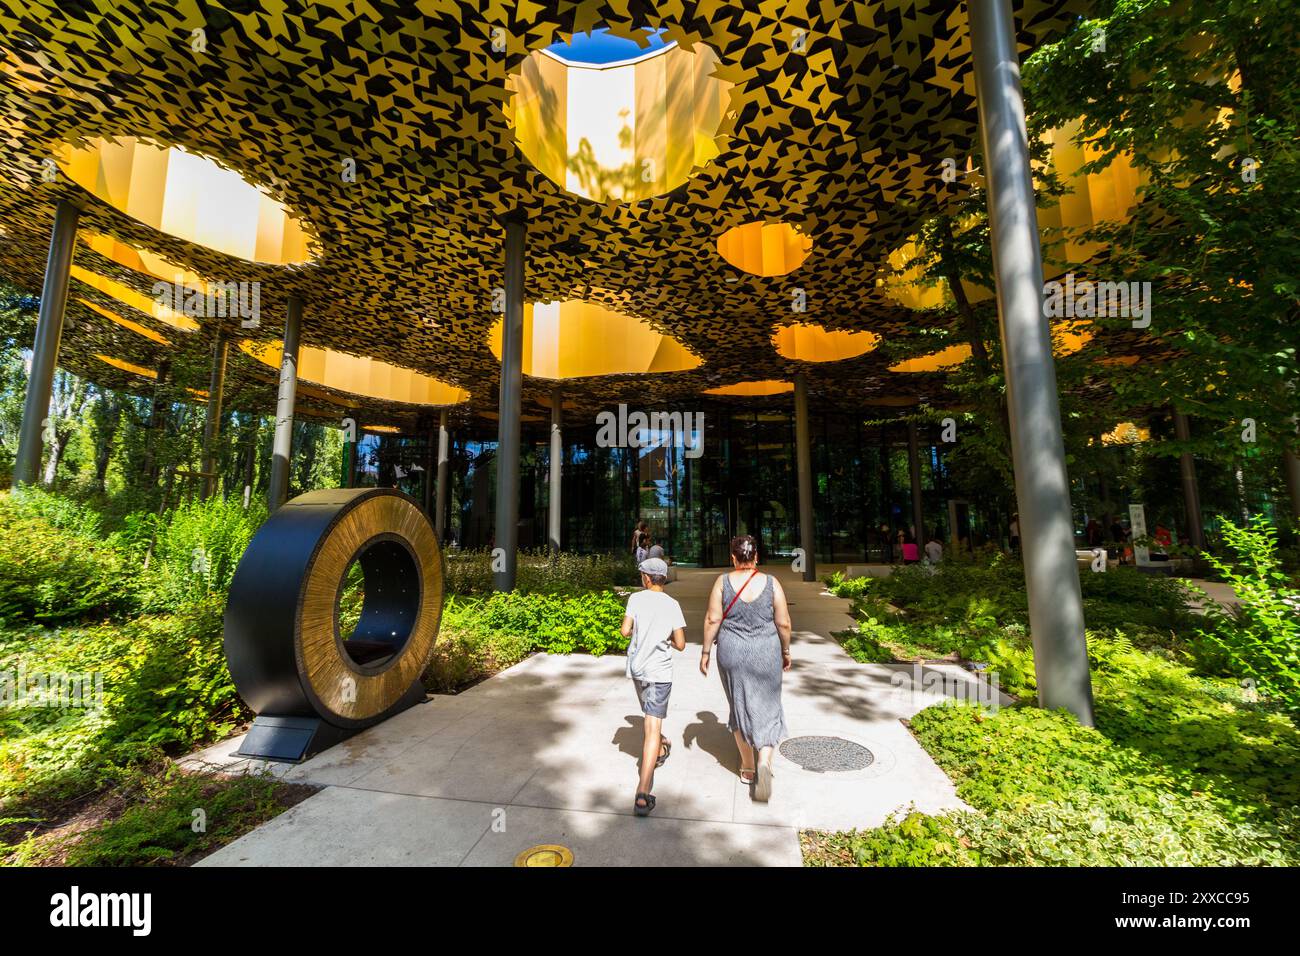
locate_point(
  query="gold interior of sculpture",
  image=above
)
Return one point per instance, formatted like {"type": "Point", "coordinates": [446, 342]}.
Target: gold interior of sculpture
{"type": "Point", "coordinates": [580, 339]}
{"type": "Point", "coordinates": [188, 196]}
{"type": "Point", "coordinates": [624, 131]}
{"type": "Point", "coordinates": [813, 343]}
{"type": "Point", "coordinates": [765, 248]}
{"type": "Point", "coordinates": [753, 389]}
{"type": "Point", "coordinates": [367, 377]}
{"type": "Point", "coordinates": [137, 300]}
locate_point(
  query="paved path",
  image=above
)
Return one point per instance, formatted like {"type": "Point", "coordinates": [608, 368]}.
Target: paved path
{"type": "Point", "coordinates": [546, 752]}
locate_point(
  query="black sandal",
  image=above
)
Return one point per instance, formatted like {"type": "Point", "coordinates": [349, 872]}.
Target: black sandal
{"type": "Point", "coordinates": [649, 799]}
{"type": "Point", "coordinates": [667, 749]}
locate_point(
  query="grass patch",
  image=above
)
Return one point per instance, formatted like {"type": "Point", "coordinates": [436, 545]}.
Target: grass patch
{"type": "Point", "coordinates": [152, 815]}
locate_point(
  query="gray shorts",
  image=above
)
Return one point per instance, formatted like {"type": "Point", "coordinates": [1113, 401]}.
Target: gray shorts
{"type": "Point", "coordinates": [653, 697]}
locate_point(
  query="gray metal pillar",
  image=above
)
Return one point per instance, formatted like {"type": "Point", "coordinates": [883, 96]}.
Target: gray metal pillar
{"type": "Point", "coordinates": [443, 500]}
{"type": "Point", "coordinates": [212, 418]}
{"type": "Point", "coordinates": [1191, 491]}
{"type": "Point", "coordinates": [510, 409]}
{"type": "Point", "coordinates": [803, 469]}
{"type": "Point", "coordinates": [45, 347]}
{"type": "Point", "coordinates": [554, 512]}
{"type": "Point", "coordinates": [282, 447]}
{"type": "Point", "coordinates": [1038, 451]}
{"type": "Point", "coordinates": [914, 469]}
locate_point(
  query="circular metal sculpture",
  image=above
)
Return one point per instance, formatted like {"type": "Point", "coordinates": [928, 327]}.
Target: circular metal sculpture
{"type": "Point", "coordinates": [827, 754]}
{"type": "Point", "coordinates": [287, 655]}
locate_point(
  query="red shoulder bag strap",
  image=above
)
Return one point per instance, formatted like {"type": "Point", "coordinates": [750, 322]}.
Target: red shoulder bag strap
{"type": "Point", "coordinates": [736, 597]}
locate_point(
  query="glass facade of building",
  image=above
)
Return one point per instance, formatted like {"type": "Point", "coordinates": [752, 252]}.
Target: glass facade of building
{"type": "Point", "coordinates": [696, 492]}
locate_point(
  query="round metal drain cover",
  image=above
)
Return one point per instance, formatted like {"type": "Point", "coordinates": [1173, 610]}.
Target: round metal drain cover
{"type": "Point", "coordinates": [548, 854]}
{"type": "Point", "coordinates": [827, 754]}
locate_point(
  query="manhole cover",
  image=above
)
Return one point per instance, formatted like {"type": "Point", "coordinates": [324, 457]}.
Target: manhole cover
{"type": "Point", "coordinates": [548, 854]}
{"type": "Point", "coordinates": [827, 754]}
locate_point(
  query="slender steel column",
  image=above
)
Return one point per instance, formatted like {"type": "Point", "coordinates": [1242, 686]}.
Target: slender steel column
{"type": "Point", "coordinates": [803, 470]}
{"type": "Point", "coordinates": [914, 469]}
{"type": "Point", "coordinates": [348, 465]}
{"type": "Point", "coordinates": [212, 419]}
{"type": "Point", "coordinates": [1038, 451]}
{"type": "Point", "coordinates": [1191, 491]}
{"type": "Point", "coordinates": [1292, 465]}
{"type": "Point", "coordinates": [444, 474]}
{"type": "Point", "coordinates": [554, 511]}
{"type": "Point", "coordinates": [282, 447]}
{"type": "Point", "coordinates": [45, 347]}
{"type": "Point", "coordinates": [510, 409]}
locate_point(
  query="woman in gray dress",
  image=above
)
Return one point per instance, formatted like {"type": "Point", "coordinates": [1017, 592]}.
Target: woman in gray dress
{"type": "Point", "coordinates": [749, 619]}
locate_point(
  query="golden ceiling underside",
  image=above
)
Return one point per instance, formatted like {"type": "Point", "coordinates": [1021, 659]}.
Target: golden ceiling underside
{"type": "Point", "coordinates": [387, 129]}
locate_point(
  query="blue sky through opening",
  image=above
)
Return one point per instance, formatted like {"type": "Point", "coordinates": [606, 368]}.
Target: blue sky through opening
{"type": "Point", "coordinates": [600, 47]}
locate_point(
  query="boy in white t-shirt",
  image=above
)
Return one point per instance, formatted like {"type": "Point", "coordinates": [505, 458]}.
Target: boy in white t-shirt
{"type": "Point", "coordinates": [653, 621]}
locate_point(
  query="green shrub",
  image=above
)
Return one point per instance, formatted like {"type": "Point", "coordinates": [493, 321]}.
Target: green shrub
{"type": "Point", "coordinates": [470, 572]}
{"type": "Point", "coordinates": [463, 657]}
{"type": "Point", "coordinates": [53, 564]}
{"type": "Point", "coordinates": [1180, 770]}
{"type": "Point", "coordinates": [196, 549]}
{"type": "Point", "coordinates": [557, 624]}
{"type": "Point", "coordinates": [1259, 640]}
{"type": "Point", "coordinates": [844, 587]}
{"type": "Point", "coordinates": [174, 690]}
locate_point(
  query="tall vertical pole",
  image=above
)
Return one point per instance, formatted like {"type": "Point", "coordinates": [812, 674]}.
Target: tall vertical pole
{"type": "Point", "coordinates": [1038, 450]}
{"type": "Point", "coordinates": [803, 470]}
{"type": "Point", "coordinates": [1191, 491]}
{"type": "Point", "coordinates": [212, 419]}
{"type": "Point", "coordinates": [444, 472]}
{"type": "Point", "coordinates": [349, 463]}
{"type": "Point", "coordinates": [554, 515]}
{"type": "Point", "coordinates": [914, 469]}
{"type": "Point", "coordinates": [510, 409]}
{"type": "Point", "coordinates": [1291, 467]}
{"type": "Point", "coordinates": [1291, 462]}
{"type": "Point", "coordinates": [282, 447]}
{"type": "Point", "coordinates": [45, 347]}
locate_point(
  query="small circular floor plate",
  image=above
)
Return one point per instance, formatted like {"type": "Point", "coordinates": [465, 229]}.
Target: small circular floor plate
{"type": "Point", "coordinates": [827, 754]}
{"type": "Point", "coordinates": [548, 854]}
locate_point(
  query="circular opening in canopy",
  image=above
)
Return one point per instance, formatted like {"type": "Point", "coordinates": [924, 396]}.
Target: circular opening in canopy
{"type": "Point", "coordinates": [752, 389]}
{"type": "Point", "coordinates": [625, 129]}
{"type": "Point", "coordinates": [190, 197]}
{"type": "Point", "coordinates": [366, 377]}
{"type": "Point", "coordinates": [580, 339]}
{"type": "Point", "coordinates": [765, 248]}
{"type": "Point", "coordinates": [813, 343]}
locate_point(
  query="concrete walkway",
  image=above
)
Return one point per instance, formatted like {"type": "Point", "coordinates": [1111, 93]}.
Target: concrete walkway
{"type": "Point", "coordinates": [546, 752]}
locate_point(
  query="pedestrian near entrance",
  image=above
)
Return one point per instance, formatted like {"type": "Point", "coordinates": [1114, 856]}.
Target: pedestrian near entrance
{"type": "Point", "coordinates": [654, 623]}
{"type": "Point", "coordinates": [1015, 532]}
{"type": "Point", "coordinates": [749, 619]}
